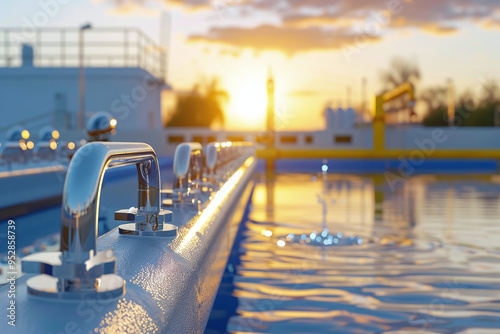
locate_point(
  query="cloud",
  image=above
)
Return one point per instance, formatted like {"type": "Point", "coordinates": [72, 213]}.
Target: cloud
{"type": "Point", "coordinates": [130, 7]}
{"type": "Point", "coordinates": [418, 14]}
{"type": "Point", "coordinates": [423, 11]}
{"type": "Point", "coordinates": [493, 23]}
{"type": "Point", "coordinates": [285, 39]}
{"type": "Point", "coordinates": [193, 5]}
{"type": "Point", "coordinates": [318, 21]}
{"type": "Point", "coordinates": [307, 25]}
{"type": "Point", "coordinates": [438, 29]}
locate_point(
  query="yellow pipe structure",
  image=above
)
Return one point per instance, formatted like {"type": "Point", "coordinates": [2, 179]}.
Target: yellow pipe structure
{"type": "Point", "coordinates": [379, 151]}
{"type": "Point", "coordinates": [379, 113]}
{"type": "Point", "coordinates": [406, 88]}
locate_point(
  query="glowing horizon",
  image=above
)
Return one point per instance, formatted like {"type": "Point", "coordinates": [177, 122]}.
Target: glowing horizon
{"type": "Point", "coordinates": [315, 53]}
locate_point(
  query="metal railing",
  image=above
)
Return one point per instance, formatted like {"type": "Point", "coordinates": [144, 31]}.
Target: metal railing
{"type": "Point", "coordinates": [101, 47]}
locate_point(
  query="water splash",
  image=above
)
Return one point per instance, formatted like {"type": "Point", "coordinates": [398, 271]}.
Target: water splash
{"type": "Point", "coordinates": [323, 238]}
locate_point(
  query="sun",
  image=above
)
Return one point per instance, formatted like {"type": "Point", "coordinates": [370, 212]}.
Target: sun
{"type": "Point", "coordinates": [248, 105]}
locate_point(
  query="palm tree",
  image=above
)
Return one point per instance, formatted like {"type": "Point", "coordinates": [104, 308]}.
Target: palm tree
{"type": "Point", "coordinates": [218, 97]}
{"type": "Point", "coordinates": [201, 107]}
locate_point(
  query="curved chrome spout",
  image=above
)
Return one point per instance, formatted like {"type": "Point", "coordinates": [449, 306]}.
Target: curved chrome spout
{"type": "Point", "coordinates": [78, 271]}
{"type": "Point", "coordinates": [187, 164]}
{"type": "Point", "coordinates": [211, 157]}
{"type": "Point", "coordinates": [82, 191]}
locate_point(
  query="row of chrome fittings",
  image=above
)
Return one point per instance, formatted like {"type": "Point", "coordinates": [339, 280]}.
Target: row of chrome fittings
{"type": "Point", "coordinates": [199, 171]}
{"type": "Point", "coordinates": [19, 146]}
{"type": "Point", "coordinates": [78, 270]}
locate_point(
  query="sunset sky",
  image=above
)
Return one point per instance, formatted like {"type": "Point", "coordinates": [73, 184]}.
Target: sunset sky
{"type": "Point", "coordinates": [316, 48]}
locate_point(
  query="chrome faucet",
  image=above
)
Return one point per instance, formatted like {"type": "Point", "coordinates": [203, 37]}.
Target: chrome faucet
{"type": "Point", "coordinates": [83, 187]}
{"type": "Point", "coordinates": [211, 158]}
{"type": "Point", "coordinates": [188, 164]}
{"type": "Point", "coordinates": [78, 268]}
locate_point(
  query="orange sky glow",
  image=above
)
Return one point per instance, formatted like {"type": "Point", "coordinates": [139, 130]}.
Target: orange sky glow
{"type": "Point", "coordinates": [318, 50]}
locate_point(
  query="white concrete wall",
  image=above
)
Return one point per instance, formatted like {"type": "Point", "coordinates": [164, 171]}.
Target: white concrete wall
{"type": "Point", "coordinates": [129, 94]}
{"type": "Point", "coordinates": [362, 138]}
{"type": "Point", "coordinates": [465, 138]}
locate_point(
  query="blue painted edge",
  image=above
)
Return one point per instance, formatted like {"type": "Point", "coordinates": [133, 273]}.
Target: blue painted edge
{"type": "Point", "coordinates": [378, 166]}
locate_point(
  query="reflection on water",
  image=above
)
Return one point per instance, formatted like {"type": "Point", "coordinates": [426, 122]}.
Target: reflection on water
{"type": "Point", "coordinates": [430, 261]}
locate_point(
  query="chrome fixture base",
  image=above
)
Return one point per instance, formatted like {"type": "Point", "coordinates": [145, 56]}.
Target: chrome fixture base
{"type": "Point", "coordinates": [146, 223]}
{"type": "Point", "coordinates": [55, 269]}
{"type": "Point", "coordinates": [134, 215]}
{"type": "Point", "coordinates": [168, 231]}
{"type": "Point", "coordinates": [110, 287]}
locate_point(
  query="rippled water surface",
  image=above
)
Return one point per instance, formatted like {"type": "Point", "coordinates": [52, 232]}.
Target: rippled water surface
{"type": "Point", "coordinates": [429, 261]}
